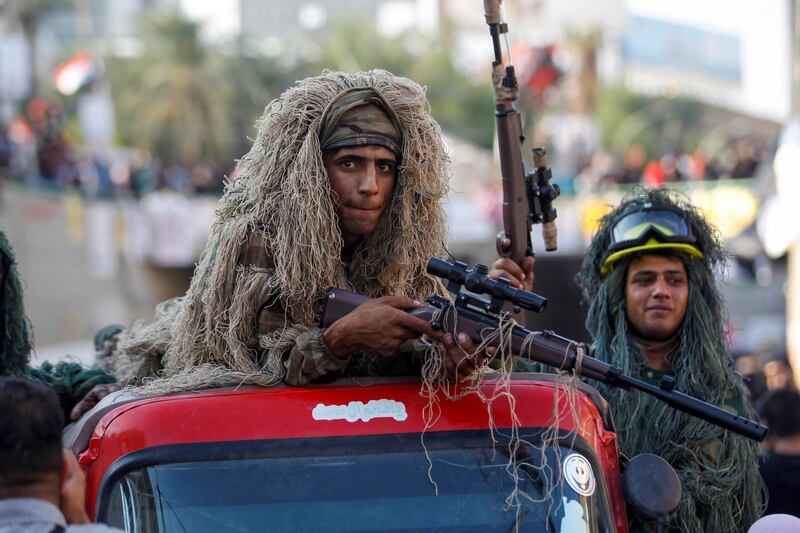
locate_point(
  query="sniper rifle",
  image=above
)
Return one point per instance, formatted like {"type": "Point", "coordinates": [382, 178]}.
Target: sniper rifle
{"type": "Point", "coordinates": [478, 317]}
{"type": "Point", "coordinates": [527, 196]}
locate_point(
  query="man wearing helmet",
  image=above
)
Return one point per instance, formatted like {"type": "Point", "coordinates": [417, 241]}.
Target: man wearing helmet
{"type": "Point", "coordinates": [655, 310]}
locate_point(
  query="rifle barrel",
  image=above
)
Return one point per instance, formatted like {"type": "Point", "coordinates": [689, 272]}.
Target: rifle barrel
{"type": "Point", "coordinates": [555, 351]}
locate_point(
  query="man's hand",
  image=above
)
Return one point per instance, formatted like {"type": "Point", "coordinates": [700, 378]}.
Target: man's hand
{"type": "Point", "coordinates": [461, 357]}
{"type": "Point", "coordinates": [377, 326]}
{"type": "Point", "coordinates": [91, 399]}
{"type": "Point", "coordinates": [519, 274]}
{"type": "Point", "coordinates": [73, 490]}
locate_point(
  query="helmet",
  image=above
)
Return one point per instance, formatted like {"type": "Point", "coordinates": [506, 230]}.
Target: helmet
{"type": "Point", "coordinates": [646, 227]}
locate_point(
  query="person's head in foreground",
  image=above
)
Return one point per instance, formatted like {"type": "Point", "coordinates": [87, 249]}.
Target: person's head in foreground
{"type": "Point", "coordinates": [41, 484]}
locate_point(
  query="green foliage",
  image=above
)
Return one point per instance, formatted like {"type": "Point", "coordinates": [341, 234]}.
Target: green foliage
{"type": "Point", "coordinates": [461, 105]}
{"type": "Point", "coordinates": [178, 99]}
{"type": "Point", "coordinates": [186, 102]}
{"type": "Point", "coordinates": [654, 123]}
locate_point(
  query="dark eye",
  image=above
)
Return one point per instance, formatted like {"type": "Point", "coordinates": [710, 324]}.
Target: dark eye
{"type": "Point", "coordinates": [348, 163]}
{"type": "Point", "coordinates": [385, 166]}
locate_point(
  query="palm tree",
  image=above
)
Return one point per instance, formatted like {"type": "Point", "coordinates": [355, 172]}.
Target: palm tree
{"type": "Point", "coordinates": [30, 14]}
{"type": "Point", "coordinates": [462, 106]}
{"type": "Point", "coordinates": [177, 100]}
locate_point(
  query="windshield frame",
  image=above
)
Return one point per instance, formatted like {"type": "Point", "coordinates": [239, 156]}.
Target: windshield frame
{"type": "Point", "coordinates": [339, 445]}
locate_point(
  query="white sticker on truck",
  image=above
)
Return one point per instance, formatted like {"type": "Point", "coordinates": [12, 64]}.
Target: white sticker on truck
{"type": "Point", "coordinates": [354, 411]}
{"type": "Point", "coordinates": [579, 475]}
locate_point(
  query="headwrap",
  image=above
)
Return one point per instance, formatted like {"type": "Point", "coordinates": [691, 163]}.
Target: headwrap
{"type": "Point", "coordinates": [360, 117]}
{"type": "Point", "coordinates": [718, 469]}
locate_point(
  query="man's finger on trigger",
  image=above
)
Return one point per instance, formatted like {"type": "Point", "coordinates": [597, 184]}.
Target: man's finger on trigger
{"type": "Point", "coordinates": [466, 342]}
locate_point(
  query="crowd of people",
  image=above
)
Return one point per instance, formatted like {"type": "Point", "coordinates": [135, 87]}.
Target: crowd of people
{"type": "Point", "coordinates": [343, 188]}
{"type": "Point", "coordinates": [739, 160]}
{"type": "Point", "coordinates": [36, 150]}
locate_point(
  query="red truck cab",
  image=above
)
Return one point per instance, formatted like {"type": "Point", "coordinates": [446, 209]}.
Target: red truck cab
{"type": "Point", "coordinates": [356, 455]}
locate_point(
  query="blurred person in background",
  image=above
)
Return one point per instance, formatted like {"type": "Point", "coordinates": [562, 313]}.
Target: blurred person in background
{"type": "Point", "coordinates": [633, 164]}
{"type": "Point", "coordinates": [5, 150]}
{"type": "Point", "coordinates": [747, 159]}
{"type": "Point", "coordinates": [780, 411]}
{"type": "Point", "coordinates": [655, 311]}
{"type": "Point", "coordinates": [778, 375]}
{"type": "Point", "coordinates": [748, 365]}
{"type": "Point", "coordinates": [42, 487]}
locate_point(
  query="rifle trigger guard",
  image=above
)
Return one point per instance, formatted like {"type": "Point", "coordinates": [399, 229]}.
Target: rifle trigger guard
{"type": "Point", "coordinates": [443, 306]}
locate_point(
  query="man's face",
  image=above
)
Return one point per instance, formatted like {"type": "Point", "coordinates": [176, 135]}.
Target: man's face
{"type": "Point", "coordinates": [778, 376]}
{"type": "Point", "coordinates": [656, 293]}
{"type": "Point", "coordinates": [362, 179]}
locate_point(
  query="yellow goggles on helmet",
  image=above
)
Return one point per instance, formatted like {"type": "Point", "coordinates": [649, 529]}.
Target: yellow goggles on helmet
{"type": "Point", "coordinates": [647, 227]}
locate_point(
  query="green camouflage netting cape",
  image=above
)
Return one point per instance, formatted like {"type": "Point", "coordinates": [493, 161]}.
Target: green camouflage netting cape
{"type": "Point", "coordinates": [718, 469]}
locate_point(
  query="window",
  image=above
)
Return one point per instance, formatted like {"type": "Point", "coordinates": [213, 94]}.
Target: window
{"type": "Point", "coordinates": [375, 483]}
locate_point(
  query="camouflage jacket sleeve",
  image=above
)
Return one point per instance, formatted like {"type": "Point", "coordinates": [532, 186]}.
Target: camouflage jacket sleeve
{"type": "Point", "coordinates": [307, 359]}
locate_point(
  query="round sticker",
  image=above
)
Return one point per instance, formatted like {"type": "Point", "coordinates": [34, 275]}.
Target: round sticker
{"type": "Point", "coordinates": [579, 475]}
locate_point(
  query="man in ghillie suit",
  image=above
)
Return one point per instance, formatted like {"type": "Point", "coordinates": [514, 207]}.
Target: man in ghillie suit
{"type": "Point", "coordinates": [70, 381]}
{"type": "Point", "coordinates": [342, 188]}
{"type": "Point", "coordinates": [654, 310]}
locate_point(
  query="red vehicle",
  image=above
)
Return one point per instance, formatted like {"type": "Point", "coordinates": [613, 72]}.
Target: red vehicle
{"type": "Point", "coordinates": [351, 456]}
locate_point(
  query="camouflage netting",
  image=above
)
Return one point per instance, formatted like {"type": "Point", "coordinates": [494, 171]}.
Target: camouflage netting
{"type": "Point", "coordinates": [208, 337]}
{"type": "Point", "coordinates": [17, 341]}
{"type": "Point", "coordinates": [71, 381]}
{"type": "Point", "coordinates": [718, 469]}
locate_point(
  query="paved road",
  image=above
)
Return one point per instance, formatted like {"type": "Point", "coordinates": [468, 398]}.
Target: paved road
{"type": "Point", "coordinates": [76, 278]}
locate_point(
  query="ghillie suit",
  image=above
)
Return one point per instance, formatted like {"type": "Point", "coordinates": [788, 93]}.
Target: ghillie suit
{"type": "Point", "coordinates": [71, 381]}
{"type": "Point", "coordinates": [718, 469]}
{"type": "Point", "coordinates": [276, 244]}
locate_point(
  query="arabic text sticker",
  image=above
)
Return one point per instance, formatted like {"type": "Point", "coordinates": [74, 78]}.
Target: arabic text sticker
{"type": "Point", "coordinates": [354, 411]}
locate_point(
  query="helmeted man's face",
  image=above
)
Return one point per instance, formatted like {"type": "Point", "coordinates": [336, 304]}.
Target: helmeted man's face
{"type": "Point", "coordinates": [362, 179]}
{"type": "Point", "coordinates": [656, 295]}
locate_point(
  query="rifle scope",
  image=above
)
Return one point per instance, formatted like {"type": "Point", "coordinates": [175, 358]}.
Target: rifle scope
{"type": "Point", "coordinates": [475, 280]}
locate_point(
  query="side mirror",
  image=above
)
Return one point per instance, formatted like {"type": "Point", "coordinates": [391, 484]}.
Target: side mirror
{"type": "Point", "coordinates": [651, 487]}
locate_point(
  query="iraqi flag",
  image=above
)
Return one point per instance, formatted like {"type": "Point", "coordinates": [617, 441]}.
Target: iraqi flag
{"type": "Point", "coordinates": [75, 73]}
